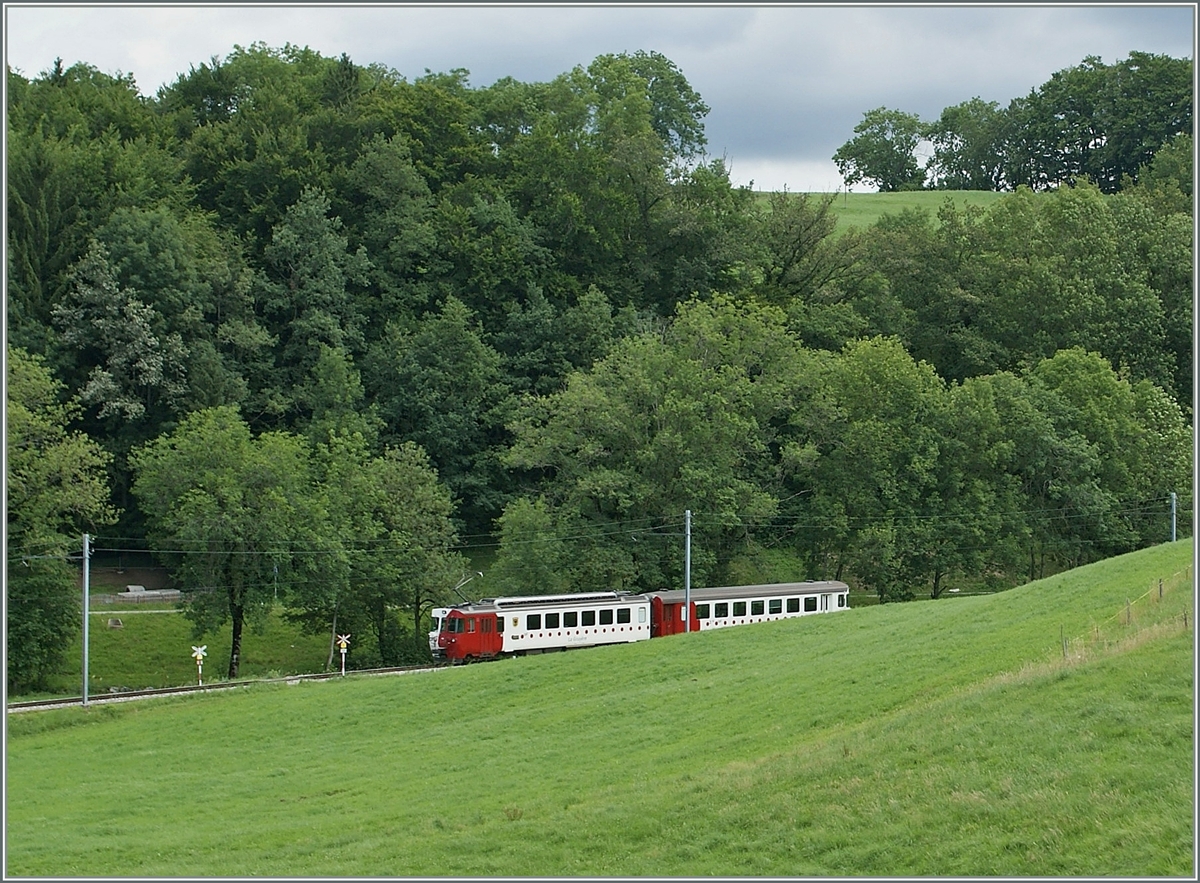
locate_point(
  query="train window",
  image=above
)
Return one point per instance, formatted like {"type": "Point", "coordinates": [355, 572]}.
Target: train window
{"type": "Point", "coordinates": [454, 626]}
{"type": "Point", "coordinates": [500, 625]}
{"type": "Point", "coordinates": [570, 620]}
{"type": "Point", "coordinates": [775, 605]}
{"type": "Point", "coordinates": [841, 600]}
{"type": "Point", "coordinates": [739, 608]}
{"type": "Point", "coordinates": [533, 622]}
{"type": "Point", "coordinates": [551, 620]}
{"type": "Point", "coordinates": [810, 604]}
{"type": "Point", "coordinates": [793, 605]}
{"type": "Point", "coordinates": [756, 608]}
{"type": "Point", "coordinates": [606, 617]}
{"type": "Point", "coordinates": [721, 610]}
{"type": "Point", "coordinates": [485, 624]}
{"type": "Point", "coordinates": [623, 615]}
{"type": "Point", "coordinates": [641, 614]}
{"type": "Point", "coordinates": [588, 617]}
{"type": "Point", "coordinates": [471, 625]}
{"type": "Point", "coordinates": [701, 611]}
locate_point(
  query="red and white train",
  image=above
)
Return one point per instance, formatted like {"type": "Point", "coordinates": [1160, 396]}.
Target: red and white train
{"type": "Point", "coordinates": [519, 626]}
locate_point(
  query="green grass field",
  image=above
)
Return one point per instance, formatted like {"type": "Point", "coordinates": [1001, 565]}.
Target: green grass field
{"type": "Point", "coordinates": [861, 210]}
{"type": "Point", "coordinates": [1043, 731]}
{"type": "Point", "coordinates": [153, 648]}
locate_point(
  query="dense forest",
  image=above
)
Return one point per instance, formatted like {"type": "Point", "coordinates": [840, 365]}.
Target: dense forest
{"type": "Point", "coordinates": [325, 337]}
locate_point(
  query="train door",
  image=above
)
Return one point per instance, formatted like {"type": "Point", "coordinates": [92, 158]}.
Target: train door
{"type": "Point", "coordinates": [657, 624]}
{"type": "Point", "coordinates": [491, 636]}
{"type": "Point", "coordinates": [824, 603]}
{"type": "Point", "coordinates": [665, 619]}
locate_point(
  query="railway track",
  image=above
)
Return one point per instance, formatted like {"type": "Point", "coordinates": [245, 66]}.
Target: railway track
{"type": "Point", "coordinates": [133, 695]}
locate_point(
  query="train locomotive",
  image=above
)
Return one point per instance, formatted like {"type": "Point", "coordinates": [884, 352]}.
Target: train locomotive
{"type": "Point", "coordinates": [520, 626]}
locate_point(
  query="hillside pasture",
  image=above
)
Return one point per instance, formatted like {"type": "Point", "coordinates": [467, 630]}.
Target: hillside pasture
{"type": "Point", "coordinates": [1043, 731]}
{"type": "Point", "coordinates": [862, 210]}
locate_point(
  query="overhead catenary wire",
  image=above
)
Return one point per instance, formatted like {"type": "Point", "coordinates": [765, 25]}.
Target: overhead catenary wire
{"type": "Point", "coordinates": [648, 526]}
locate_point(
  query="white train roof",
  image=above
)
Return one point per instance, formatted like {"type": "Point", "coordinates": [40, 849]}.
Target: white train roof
{"type": "Point", "coordinates": [767, 590]}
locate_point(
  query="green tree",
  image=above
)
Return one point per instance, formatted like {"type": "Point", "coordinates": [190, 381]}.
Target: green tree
{"type": "Point", "coordinates": [533, 558]}
{"type": "Point", "coordinates": [306, 293]}
{"type": "Point", "coordinates": [1102, 122]}
{"type": "Point", "coordinates": [336, 400]}
{"type": "Point", "coordinates": [198, 284]}
{"type": "Point", "coordinates": [883, 151]}
{"type": "Point", "coordinates": [387, 210]}
{"type": "Point", "coordinates": [667, 421]}
{"type": "Point", "coordinates": [236, 513]}
{"type": "Point", "coordinates": [801, 258]}
{"type": "Point", "coordinates": [389, 526]}
{"type": "Point", "coordinates": [138, 364]}
{"type": "Point", "coordinates": [877, 468]}
{"type": "Point", "coordinates": [967, 144]}
{"type": "Point", "coordinates": [651, 80]}
{"type": "Point", "coordinates": [66, 173]}
{"type": "Point", "coordinates": [1113, 427]}
{"type": "Point", "coordinates": [439, 385]}
{"type": "Point", "coordinates": [1055, 272]}
{"type": "Point", "coordinates": [57, 490]}
{"type": "Point", "coordinates": [1148, 101]}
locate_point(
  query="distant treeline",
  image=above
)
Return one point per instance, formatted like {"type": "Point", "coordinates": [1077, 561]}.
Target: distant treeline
{"type": "Point", "coordinates": [1106, 123]}
{"type": "Point", "coordinates": [311, 330]}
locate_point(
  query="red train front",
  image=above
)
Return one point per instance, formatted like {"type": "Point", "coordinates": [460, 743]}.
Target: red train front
{"type": "Point", "coordinates": [471, 632]}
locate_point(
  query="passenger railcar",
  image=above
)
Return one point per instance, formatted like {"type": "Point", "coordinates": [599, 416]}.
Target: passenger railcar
{"type": "Point", "coordinates": [724, 606]}
{"type": "Point", "coordinates": [540, 623]}
{"type": "Point", "coordinates": [544, 623]}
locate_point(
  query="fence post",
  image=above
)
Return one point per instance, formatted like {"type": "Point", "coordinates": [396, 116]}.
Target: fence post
{"type": "Point", "coordinates": [1128, 613]}
{"type": "Point", "coordinates": [1160, 590]}
{"type": "Point", "coordinates": [1062, 637]}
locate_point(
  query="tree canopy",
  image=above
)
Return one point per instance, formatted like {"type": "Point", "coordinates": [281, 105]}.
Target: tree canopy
{"type": "Point", "coordinates": [321, 336]}
{"type": "Point", "coordinates": [1105, 123]}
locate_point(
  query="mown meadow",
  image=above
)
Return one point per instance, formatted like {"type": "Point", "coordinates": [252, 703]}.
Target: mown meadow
{"type": "Point", "coordinates": [1046, 730]}
{"type": "Point", "coordinates": [863, 210]}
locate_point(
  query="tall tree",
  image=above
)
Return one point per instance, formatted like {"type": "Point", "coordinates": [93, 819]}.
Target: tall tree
{"type": "Point", "coordinates": [438, 384]}
{"type": "Point", "coordinates": [666, 422]}
{"type": "Point", "coordinates": [967, 147]}
{"type": "Point", "coordinates": [882, 152]}
{"type": "Point", "coordinates": [56, 491]}
{"type": "Point", "coordinates": [878, 467]}
{"type": "Point", "coordinates": [389, 518]}
{"type": "Point", "coordinates": [306, 293]}
{"type": "Point", "coordinates": [234, 516]}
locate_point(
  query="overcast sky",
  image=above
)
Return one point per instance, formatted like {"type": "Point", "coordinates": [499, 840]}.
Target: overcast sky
{"type": "Point", "coordinates": [786, 84]}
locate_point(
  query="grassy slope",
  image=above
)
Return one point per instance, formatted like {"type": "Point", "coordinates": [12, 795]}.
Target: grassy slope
{"type": "Point", "coordinates": [153, 649]}
{"type": "Point", "coordinates": [864, 209]}
{"type": "Point", "coordinates": [861, 210]}
{"type": "Point", "coordinates": [944, 738]}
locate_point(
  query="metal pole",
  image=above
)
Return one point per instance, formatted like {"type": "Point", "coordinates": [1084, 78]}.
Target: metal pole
{"type": "Point", "coordinates": [86, 581]}
{"type": "Point", "coordinates": [687, 570]}
{"type": "Point", "coordinates": [1172, 516]}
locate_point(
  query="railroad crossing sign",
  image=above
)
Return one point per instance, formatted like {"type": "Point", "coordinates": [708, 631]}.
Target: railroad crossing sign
{"type": "Point", "coordinates": [198, 653]}
{"type": "Point", "coordinates": [342, 641]}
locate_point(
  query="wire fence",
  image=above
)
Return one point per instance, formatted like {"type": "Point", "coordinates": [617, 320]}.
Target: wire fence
{"type": "Point", "coordinates": [1166, 606]}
